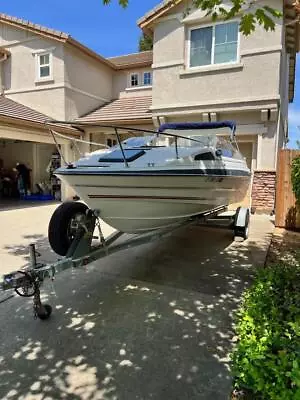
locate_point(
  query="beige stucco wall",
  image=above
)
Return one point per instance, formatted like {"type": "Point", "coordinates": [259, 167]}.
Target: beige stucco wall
{"type": "Point", "coordinates": [19, 71]}
{"type": "Point", "coordinates": [89, 83]}
{"type": "Point", "coordinates": [258, 80]}
{"type": "Point", "coordinates": [121, 87]}
{"type": "Point", "coordinates": [256, 77]}
{"type": "Point", "coordinates": [49, 101]}
{"type": "Point", "coordinates": [237, 84]}
{"type": "Point", "coordinates": [79, 84]}
{"type": "Point", "coordinates": [78, 104]}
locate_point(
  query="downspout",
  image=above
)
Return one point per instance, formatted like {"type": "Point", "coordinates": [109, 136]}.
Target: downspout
{"type": "Point", "coordinates": [279, 119]}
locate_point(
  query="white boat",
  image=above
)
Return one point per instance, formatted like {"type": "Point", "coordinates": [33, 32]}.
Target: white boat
{"type": "Point", "coordinates": [150, 182]}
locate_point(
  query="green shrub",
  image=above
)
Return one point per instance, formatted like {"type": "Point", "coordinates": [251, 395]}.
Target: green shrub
{"type": "Point", "coordinates": [296, 177]}
{"type": "Point", "coordinates": [266, 359]}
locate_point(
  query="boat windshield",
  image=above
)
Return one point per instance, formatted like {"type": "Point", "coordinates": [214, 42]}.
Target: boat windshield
{"type": "Point", "coordinates": [228, 148]}
{"type": "Point", "coordinates": [202, 138]}
{"type": "Point", "coordinates": [188, 138]}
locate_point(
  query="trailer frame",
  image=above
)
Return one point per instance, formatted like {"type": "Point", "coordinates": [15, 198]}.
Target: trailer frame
{"type": "Point", "coordinates": [27, 282]}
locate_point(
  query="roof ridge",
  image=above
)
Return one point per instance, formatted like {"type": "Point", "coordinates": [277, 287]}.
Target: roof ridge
{"type": "Point", "coordinates": [155, 9]}
{"type": "Point", "coordinates": [131, 54]}
{"type": "Point", "coordinates": [34, 25]}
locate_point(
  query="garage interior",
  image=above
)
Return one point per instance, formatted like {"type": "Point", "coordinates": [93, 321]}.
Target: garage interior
{"type": "Point", "coordinates": [40, 158]}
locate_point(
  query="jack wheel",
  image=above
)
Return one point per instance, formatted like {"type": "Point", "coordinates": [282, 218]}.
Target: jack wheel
{"type": "Point", "coordinates": [44, 312]}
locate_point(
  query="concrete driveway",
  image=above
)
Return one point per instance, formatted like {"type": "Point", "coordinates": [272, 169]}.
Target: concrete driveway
{"type": "Point", "coordinates": [154, 322]}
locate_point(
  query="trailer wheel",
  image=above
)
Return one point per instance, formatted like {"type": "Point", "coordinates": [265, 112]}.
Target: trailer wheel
{"type": "Point", "coordinates": [64, 224]}
{"type": "Point", "coordinates": [241, 223]}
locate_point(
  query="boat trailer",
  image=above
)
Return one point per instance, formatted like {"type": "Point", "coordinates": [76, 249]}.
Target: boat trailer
{"type": "Point", "coordinates": [27, 282]}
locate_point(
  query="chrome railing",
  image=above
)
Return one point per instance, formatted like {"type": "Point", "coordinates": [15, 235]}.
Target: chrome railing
{"type": "Point", "coordinates": [51, 124]}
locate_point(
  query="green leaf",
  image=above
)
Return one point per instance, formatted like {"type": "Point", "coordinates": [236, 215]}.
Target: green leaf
{"type": "Point", "coordinates": [247, 24]}
{"type": "Point", "coordinates": [215, 8]}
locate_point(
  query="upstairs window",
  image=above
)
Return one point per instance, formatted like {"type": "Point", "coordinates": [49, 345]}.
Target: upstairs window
{"type": "Point", "coordinates": [147, 79]}
{"type": "Point", "coordinates": [44, 65]}
{"type": "Point", "coordinates": [43, 61]}
{"type": "Point", "coordinates": [216, 44]}
{"type": "Point", "coordinates": [140, 79]}
{"type": "Point", "coordinates": [134, 80]}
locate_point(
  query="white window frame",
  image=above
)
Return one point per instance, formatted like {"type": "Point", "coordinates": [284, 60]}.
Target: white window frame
{"type": "Point", "coordinates": [38, 66]}
{"type": "Point", "coordinates": [141, 84]}
{"type": "Point", "coordinates": [151, 74]}
{"type": "Point", "coordinates": [212, 64]}
{"type": "Point", "coordinates": [130, 80]}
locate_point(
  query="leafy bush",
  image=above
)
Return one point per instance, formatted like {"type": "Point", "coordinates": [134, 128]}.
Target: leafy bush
{"type": "Point", "coordinates": [296, 177]}
{"type": "Point", "coordinates": [267, 356]}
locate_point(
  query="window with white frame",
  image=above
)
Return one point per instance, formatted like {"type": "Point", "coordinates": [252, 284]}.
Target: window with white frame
{"type": "Point", "coordinates": [140, 79]}
{"type": "Point", "coordinates": [134, 80]}
{"type": "Point", "coordinates": [216, 44]}
{"type": "Point", "coordinates": [147, 78]}
{"type": "Point", "coordinates": [44, 65]}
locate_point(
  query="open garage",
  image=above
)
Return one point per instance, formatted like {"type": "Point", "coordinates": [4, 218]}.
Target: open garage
{"type": "Point", "coordinates": [26, 144]}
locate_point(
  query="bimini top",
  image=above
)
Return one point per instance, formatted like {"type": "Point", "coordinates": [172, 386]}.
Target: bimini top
{"type": "Point", "coordinates": [198, 125]}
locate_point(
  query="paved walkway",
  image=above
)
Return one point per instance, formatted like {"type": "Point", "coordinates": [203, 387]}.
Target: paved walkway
{"type": "Point", "coordinates": [153, 322]}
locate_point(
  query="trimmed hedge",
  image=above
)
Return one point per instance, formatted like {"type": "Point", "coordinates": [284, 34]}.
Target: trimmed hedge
{"type": "Point", "coordinates": [266, 360]}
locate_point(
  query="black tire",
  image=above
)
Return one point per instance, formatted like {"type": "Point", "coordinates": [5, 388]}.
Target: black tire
{"type": "Point", "coordinates": [45, 312]}
{"type": "Point", "coordinates": [58, 236]}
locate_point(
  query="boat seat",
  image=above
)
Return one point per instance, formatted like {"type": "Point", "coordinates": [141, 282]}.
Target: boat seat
{"type": "Point", "coordinates": [116, 156]}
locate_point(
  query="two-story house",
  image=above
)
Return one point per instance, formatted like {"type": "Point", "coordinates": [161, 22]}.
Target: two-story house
{"type": "Point", "coordinates": [47, 74]}
{"type": "Point", "coordinates": [198, 71]}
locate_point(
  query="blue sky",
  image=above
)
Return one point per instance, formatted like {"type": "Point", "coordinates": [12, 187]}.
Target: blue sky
{"type": "Point", "coordinates": [294, 111]}
{"type": "Point", "coordinates": [109, 30]}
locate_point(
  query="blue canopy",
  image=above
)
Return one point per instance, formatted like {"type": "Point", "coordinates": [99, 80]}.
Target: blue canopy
{"type": "Point", "coordinates": [198, 125]}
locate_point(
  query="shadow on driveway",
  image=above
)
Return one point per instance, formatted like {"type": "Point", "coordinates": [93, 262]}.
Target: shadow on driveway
{"type": "Point", "coordinates": [154, 322]}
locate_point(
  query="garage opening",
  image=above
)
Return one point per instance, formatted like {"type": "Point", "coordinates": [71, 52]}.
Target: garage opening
{"type": "Point", "coordinates": [40, 160]}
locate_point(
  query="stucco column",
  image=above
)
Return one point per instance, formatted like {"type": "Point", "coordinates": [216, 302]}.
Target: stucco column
{"type": "Point", "coordinates": [85, 147]}
{"type": "Point", "coordinates": [35, 166]}
{"type": "Point", "coordinates": [67, 192]}
{"type": "Point", "coordinates": [259, 152]}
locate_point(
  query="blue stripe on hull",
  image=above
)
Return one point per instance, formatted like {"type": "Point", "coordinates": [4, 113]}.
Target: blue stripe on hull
{"type": "Point", "coordinates": [174, 172]}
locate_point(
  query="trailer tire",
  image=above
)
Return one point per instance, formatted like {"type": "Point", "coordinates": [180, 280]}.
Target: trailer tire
{"type": "Point", "coordinates": [58, 231]}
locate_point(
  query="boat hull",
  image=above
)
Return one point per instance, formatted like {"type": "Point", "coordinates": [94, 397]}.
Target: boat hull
{"type": "Point", "coordinates": [135, 204]}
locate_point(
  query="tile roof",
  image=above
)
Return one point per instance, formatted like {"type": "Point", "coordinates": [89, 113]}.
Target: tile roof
{"type": "Point", "coordinates": [166, 5]}
{"type": "Point", "coordinates": [31, 25]}
{"type": "Point", "coordinates": [135, 59]}
{"type": "Point", "coordinates": [12, 109]}
{"type": "Point", "coordinates": [160, 8]}
{"type": "Point", "coordinates": [21, 114]}
{"type": "Point", "coordinates": [120, 62]}
{"type": "Point", "coordinates": [124, 109]}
